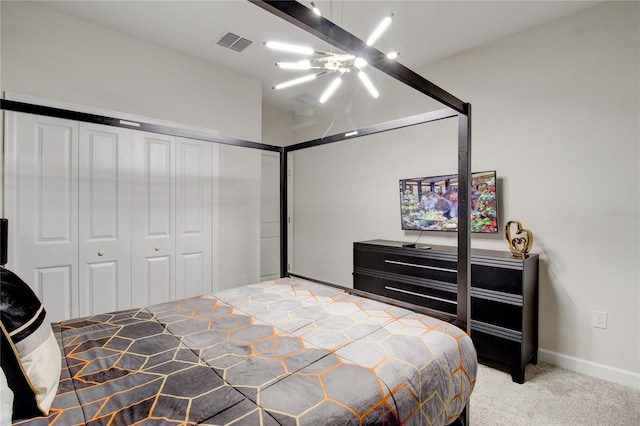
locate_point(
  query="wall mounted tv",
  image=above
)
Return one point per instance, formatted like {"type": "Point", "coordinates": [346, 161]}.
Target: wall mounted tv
{"type": "Point", "coordinates": [431, 203]}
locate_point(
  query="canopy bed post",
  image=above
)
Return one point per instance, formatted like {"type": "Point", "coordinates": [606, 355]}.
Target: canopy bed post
{"type": "Point", "coordinates": [284, 213]}
{"type": "Point", "coordinates": [4, 238]}
{"type": "Point", "coordinates": [464, 211]}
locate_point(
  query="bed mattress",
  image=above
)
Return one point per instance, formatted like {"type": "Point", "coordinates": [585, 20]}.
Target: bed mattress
{"type": "Point", "coordinates": [283, 352]}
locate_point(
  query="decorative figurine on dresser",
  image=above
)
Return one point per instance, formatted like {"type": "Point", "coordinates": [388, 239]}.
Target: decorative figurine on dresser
{"type": "Point", "coordinates": [504, 292]}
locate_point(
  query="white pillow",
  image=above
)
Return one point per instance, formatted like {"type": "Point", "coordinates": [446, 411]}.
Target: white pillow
{"type": "Point", "coordinates": [6, 402]}
{"type": "Point", "coordinates": [31, 358]}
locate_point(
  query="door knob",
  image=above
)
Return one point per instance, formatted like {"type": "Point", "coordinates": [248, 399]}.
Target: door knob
{"type": "Point", "coordinates": [101, 253]}
{"type": "Point", "coordinates": [157, 248]}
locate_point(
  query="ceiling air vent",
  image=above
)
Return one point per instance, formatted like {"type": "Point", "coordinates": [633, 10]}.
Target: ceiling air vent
{"type": "Point", "coordinates": [241, 44]}
{"type": "Point", "coordinates": [234, 42]}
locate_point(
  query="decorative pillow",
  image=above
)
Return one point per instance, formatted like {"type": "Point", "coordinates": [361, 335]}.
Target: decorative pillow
{"type": "Point", "coordinates": [31, 357]}
{"type": "Point", "coordinates": [6, 401]}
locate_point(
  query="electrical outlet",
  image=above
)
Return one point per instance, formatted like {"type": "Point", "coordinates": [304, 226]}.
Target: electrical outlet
{"type": "Point", "coordinates": [599, 319]}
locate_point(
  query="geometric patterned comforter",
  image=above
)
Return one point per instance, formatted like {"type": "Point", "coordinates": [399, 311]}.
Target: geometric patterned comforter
{"type": "Point", "coordinates": [283, 352]}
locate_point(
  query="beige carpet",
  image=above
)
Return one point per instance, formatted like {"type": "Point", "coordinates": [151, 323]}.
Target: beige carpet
{"type": "Point", "coordinates": [551, 396]}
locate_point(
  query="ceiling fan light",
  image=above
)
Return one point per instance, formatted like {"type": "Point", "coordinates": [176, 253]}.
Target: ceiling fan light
{"type": "Point", "coordinates": [360, 62]}
{"type": "Point", "coordinates": [289, 47]}
{"type": "Point", "coordinates": [368, 84]}
{"type": "Point", "coordinates": [301, 65]}
{"type": "Point", "coordinates": [382, 26]}
{"type": "Point", "coordinates": [295, 81]}
{"type": "Point", "coordinates": [392, 55]}
{"type": "Point", "coordinates": [330, 90]}
{"type": "Point", "coordinates": [338, 58]}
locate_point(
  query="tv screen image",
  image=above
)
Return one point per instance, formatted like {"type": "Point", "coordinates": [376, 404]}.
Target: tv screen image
{"type": "Point", "coordinates": [431, 203]}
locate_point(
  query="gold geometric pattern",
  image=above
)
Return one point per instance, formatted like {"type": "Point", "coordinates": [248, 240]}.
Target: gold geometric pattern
{"type": "Point", "coordinates": [288, 352]}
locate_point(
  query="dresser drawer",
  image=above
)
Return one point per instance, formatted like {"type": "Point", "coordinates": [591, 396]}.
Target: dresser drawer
{"type": "Point", "coordinates": [504, 280]}
{"type": "Point", "coordinates": [497, 312]}
{"type": "Point", "coordinates": [432, 295]}
{"type": "Point", "coordinates": [412, 265]}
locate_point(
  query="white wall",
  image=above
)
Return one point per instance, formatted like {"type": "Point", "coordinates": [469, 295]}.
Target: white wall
{"type": "Point", "coordinates": [56, 56]}
{"type": "Point", "coordinates": [276, 126]}
{"type": "Point", "coordinates": [53, 55]}
{"type": "Point", "coordinates": [555, 112]}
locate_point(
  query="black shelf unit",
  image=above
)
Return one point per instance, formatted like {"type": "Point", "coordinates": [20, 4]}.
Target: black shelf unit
{"type": "Point", "coordinates": [504, 293]}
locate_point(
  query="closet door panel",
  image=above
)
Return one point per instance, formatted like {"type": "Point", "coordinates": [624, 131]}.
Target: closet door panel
{"type": "Point", "coordinates": [42, 208]}
{"type": "Point", "coordinates": [104, 219]}
{"type": "Point", "coordinates": [194, 203]}
{"type": "Point", "coordinates": [153, 219]}
{"type": "Point", "coordinates": [99, 292]}
{"type": "Point", "coordinates": [54, 286]}
{"type": "Point", "coordinates": [159, 279]}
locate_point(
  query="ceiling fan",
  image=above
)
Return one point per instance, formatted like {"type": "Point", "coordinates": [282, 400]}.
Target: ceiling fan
{"type": "Point", "coordinates": [326, 63]}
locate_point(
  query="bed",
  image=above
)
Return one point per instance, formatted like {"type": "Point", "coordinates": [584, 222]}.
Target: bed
{"type": "Point", "coordinates": [289, 351]}
{"type": "Point", "coordinates": [283, 352]}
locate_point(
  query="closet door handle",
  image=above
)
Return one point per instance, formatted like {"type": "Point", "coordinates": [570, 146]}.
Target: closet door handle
{"type": "Point", "coordinates": [101, 253]}
{"type": "Point", "coordinates": [157, 248]}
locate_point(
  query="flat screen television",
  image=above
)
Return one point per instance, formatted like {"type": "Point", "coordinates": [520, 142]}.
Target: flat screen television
{"type": "Point", "coordinates": [431, 203]}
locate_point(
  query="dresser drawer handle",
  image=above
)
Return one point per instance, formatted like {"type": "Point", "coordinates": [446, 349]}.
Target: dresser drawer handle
{"type": "Point", "coordinates": [413, 293]}
{"type": "Point", "coordinates": [435, 268]}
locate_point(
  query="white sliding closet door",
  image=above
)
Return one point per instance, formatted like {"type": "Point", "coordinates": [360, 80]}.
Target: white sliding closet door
{"type": "Point", "coordinates": [153, 219]}
{"type": "Point", "coordinates": [194, 204]}
{"type": "Point", "coordinates": [104, 219]}
{"type": "Point", "coordinates": [42, 207]}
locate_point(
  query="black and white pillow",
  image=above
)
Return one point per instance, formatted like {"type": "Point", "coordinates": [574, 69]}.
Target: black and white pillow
{"type": "Point", "coordinates": [31, 357]}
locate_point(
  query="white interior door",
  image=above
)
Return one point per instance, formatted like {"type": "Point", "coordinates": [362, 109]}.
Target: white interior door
{"type": "Point", "coordinates": [153, 201]}
{"type": "Point", "coordinates": [194, 204]}
{"type": "Point", "coordinates": [270, 217]}
{"type": "Point", "coordinates": [104, 219]}
{"type": "Point", "coordinates": [42, 208]}
{"type": "Point", "coordinates": [290, 213]}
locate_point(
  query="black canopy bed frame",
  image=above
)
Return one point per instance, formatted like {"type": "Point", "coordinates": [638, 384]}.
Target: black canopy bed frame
{"type": "Point", "coordinates": [297, 14]}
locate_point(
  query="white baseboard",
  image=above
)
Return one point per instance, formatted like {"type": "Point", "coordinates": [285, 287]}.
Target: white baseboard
{"type": "Point", "coordinates": [590, 368]}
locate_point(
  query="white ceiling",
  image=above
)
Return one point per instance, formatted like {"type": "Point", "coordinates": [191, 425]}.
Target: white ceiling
{"type": "Point", "coordinates": [422, 31]}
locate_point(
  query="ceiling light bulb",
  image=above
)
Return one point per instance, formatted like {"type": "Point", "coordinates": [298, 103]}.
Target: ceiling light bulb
{"type": "Point", "coordinates": [360, 62]}
{"type": "Point", "coordinates": [392, 55]}
{"type": "Point", "coordinates": [315, 9]}
{"type": "Point", "coordinates": [295, 81]}
{"type": "Point", "coordinates": [337, 58]}
{"type": "Point", "coordinates": [368, 84]}
{"type": "Point", "coordinates": [301, 65]}
{"type": "Point", "coordinates": [379, 30]}
{"type": "Point", "coordinates": [289, 47]}
{"type": "Point", "coordinates": [330, 90]}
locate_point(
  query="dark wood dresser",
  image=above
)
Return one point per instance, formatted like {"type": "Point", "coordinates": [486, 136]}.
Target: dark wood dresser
{"type": "Point", "coordinates": [504, 293]}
